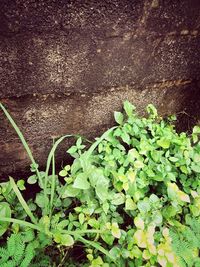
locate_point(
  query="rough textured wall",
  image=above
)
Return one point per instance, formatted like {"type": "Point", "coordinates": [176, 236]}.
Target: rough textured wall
{"type": "Point", "coordinates": [65, 66]}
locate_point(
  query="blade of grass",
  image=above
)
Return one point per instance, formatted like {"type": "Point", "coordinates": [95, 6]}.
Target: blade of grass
{"type": "Point", "coordinates": [85, 158]}
{"type": "Point", "coordinates": [49, 160]}
{"type": "Point", "coordinates": [53, 183]}
{"type": "Point", "coordinates": [83, 232]}
{"type": "Point", "coordinates": [22, 201]}
{"type": "Point", "coordinates": [20, 222]}
{"type": "Point", "coordinates": [19, 133]}
{"type": "Point", "coordinates": [36, 227]}
{"type": "Point", "coordinates": [98, 141]}
{"type": "Point", "coordinates": [95, 245]}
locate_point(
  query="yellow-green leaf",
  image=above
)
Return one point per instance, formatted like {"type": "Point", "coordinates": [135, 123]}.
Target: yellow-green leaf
{"type": "Point", "coordinates": [164, 143]}
{"type": "Point", "coordinates": [140, 238]}
{"type": "Point", "coordinates": [115, 230]}
{"type": "Point", "coordinates": [131, 176]}
{"type": "Point", "coordinates": [81, 218]}
{"type": "Point", "coordinates": [5, 211]}
{"type": "Point", "coordinates": [138, 164]}
{"type": "Point", "coordinates": [139, 223]}
{"type": "Point", "coordinates": [183, 197]}
{"type": "Point", "coordinates": [130, 204]}
{"type": "Point", "coordinates": [63, 173]}
{"type": "Point", "coordinates": [118, 117]}
{"type": "Point", "coordinates": [64, 239]}
{"type": "Point", "coordinates": [146, 255]}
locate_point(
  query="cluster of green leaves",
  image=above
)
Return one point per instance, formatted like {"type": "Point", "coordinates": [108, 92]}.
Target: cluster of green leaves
{"type": "Point", "coordinates": [141, 179]}
{"type": "Point", "coordinates": [17, 253]}
{"type": "Point", "coordinates": [119, 198]}
{"type": "Point", "coordinates": [186, 242]}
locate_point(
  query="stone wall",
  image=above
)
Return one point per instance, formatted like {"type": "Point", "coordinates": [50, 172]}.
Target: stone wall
{"type": "Point", "coordinates": [65, 66]}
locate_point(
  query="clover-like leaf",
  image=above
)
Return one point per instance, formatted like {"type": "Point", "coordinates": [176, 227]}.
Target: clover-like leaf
{"type": "Point", "coordinates": [144, 205]}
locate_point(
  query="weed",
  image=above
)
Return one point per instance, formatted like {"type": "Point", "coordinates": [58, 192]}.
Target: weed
{"type": "Point", "coordinates": [119, 198]}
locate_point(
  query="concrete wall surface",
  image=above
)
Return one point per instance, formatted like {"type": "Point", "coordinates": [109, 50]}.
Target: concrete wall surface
{"type": "Point", "coordinates": [65, 66]}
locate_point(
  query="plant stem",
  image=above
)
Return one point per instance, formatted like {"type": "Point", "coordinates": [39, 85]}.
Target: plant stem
{"type": "Point", "coordinates": [81, 232]}
{"type": "Point", "coordinates": [53, 181]}
{"type": "Point", "coordinates": [64, 257]}
{"type": "Point", "coordinates": [95, 245]}
{"type": "Point", "coordinates": [98, 141]}
{"type": "Point", "coordinates": [24, 223]}
{"type": "Point", "coordinates": [22, 201]}
{"type": "Point", "coordinates": [49, 160]}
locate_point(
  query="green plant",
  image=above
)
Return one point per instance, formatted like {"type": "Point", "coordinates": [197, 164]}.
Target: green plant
{"type": "Point", "coordinates": [145, 173]}
{"type": "Point", "coordinates": [119, 197]}
{"type": "Point", "coordinates": [46, 219]}
{"type": "Point", "coordinates": [16, 253]}
{"type": "Point", "coordinates": [186, 243]}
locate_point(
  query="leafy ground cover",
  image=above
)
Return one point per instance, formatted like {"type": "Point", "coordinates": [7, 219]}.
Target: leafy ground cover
{"type": "Point", "coordinates": [131, 199]}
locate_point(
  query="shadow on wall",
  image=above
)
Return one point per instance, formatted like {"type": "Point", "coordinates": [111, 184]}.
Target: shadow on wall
{"type": "Point", "coordinates": [189, 114]}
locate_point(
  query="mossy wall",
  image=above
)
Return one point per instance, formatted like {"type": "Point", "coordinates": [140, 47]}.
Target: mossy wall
{"type": "Point", "coordinates": [65, 66]}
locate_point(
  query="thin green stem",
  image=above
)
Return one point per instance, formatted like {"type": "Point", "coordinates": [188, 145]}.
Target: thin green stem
{"type": "Point", "coordinates": [20, 222]}
{"type": "Point", "coordinates": [95, 245]}
{"type": "Point", "coordinates": [63, 259]}
{"type": "Point", "coordinates": [77, 234]}
{"type": "Point", "coordinates": [49, 160]}
{"type": "Point", "coordinates": [98, 141]}
{"type": "Point", "coordinates": [53, 184]}
{"type": "Point", "coordinates": [22, 201]}
{"type": "Point", "coordinates": [81, 232]}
